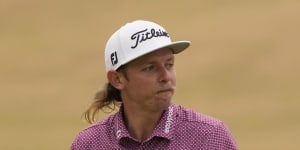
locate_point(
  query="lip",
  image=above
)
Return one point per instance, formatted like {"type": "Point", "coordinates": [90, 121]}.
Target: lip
{"type": "Point", "coordinates": [165, 94]}
{"type": "Point", "coordinates": [165, 90]}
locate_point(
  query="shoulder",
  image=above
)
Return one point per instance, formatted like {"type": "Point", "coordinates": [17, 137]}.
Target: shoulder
{"type": "Point", "coordinates": [95, 134]}
{"type": "Point", "coordinates": [213, 132]}
{"type": "Point", "coordinates": [191, 120]}
{"type": "Point", "coordinates": [190, 116]}
{"type": "Point", "coordinates": [97, 127]}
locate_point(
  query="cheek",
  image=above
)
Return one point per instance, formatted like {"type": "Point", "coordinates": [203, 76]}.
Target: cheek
{"type": "Point", "coordinates": [140, 83]}
{"type": "Point", "coordinates": [140, 90]}
{"type": "Point", "coordinates": [173, 78]}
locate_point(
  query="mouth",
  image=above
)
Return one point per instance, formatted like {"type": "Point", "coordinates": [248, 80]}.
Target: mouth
{"type": "Point", "coordinates": [166, 90]}
{"type": "Point", "coordinates": [165, 93]}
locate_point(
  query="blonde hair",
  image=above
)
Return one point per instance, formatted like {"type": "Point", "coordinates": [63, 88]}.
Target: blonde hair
{"type": "Point", "coordinates": [109, 97]}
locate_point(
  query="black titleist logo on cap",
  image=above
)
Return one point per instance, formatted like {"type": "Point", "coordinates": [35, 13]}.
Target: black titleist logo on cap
{"type": "Point", "coordinates": [146, 34]}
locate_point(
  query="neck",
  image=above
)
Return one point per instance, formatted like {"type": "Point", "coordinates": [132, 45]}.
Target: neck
{"type": "Point", "coordinates": [141, 124]}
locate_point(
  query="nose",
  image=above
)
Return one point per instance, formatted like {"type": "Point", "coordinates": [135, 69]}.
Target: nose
{"type": "Point", "coordinates": [165, 74]}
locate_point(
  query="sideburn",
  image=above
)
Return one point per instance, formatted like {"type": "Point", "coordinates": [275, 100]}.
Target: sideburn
{"type": "Point", "coordinates": [123, 70]}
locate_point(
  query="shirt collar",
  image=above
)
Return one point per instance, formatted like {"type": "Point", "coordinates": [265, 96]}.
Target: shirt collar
{"type": "Point", "coordinates": [120, 128]}
{"type": "Point", "coordinates": [164, 129]}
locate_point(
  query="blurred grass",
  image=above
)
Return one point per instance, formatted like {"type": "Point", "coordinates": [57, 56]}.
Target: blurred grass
{"type": "Point", "coordinates": [242, 67]}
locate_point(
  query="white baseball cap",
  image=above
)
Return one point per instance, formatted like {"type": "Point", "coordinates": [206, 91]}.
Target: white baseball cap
{"type": "Point", "coordinates": [136, 39]}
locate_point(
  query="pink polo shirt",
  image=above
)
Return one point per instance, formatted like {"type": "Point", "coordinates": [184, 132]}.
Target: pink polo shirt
{"type": "Point", "coordinates": [178, 129]}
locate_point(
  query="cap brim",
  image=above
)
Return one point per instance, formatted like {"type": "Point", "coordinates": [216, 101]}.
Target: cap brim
{"type": "Point", "coordinates": [177, 47]}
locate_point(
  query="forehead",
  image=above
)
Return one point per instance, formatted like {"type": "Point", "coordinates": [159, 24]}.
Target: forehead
{"type": "Point", "coordinates": [162, 54]}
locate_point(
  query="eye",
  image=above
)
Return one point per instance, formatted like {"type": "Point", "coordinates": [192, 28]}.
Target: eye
{"type": "Point", "coordinates": [170, 65]}
{"type": "Point", "coordinates": [148, 68]}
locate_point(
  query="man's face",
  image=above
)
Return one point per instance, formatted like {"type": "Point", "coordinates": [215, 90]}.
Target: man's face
{"type": "Point", "coordinates": [151, 81]}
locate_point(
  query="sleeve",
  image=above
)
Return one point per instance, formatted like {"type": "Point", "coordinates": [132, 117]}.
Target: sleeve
{"type": "Point", "coordinates": [221, 139]}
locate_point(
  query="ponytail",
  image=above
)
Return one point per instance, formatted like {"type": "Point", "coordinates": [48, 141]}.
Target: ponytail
{"type": "Point", "coordinates": [109, 97]}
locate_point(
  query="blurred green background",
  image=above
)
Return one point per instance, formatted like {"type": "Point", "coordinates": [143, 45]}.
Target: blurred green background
{"type": "Point", "coordinates": [243, 66]}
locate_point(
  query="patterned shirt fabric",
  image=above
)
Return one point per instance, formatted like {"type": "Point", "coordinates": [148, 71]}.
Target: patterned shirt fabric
{"type": "Point", "coordinates": [179, 129]}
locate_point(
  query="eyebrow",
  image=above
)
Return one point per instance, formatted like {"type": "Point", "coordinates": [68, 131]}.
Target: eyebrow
{"type": "Point", "coordinates": [172, 58]}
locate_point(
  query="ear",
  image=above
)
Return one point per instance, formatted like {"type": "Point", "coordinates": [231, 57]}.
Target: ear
{"type": "Point", "coordinates": [115, 79]}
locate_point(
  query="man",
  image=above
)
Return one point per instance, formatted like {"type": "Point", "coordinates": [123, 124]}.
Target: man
{"type": "Point", "coordinates": [139, 59]}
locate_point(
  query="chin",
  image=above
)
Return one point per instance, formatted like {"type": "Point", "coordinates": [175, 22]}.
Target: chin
{"type": "Point", "coordinates": [164, 104]}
